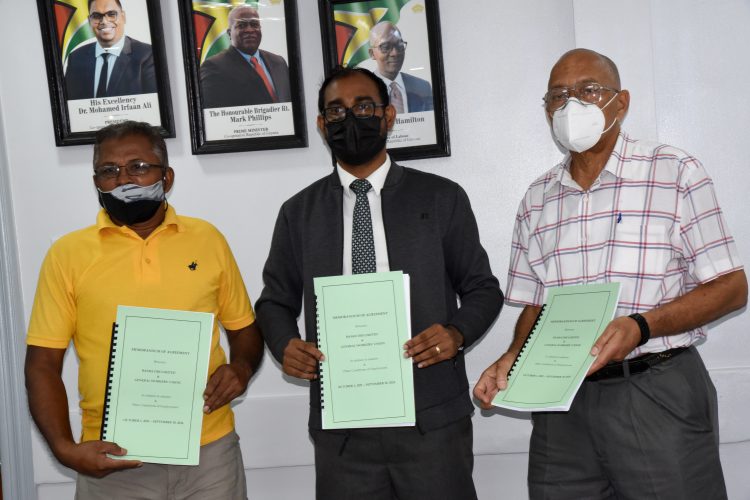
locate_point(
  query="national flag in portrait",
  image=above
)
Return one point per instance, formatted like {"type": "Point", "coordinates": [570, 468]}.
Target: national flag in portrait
{"type": "Point", "coordinates": [211, 21]}
{"type": "Point", "coordinates": [71, 25]}
{"type": "Point", "coordinates": [353, 22]}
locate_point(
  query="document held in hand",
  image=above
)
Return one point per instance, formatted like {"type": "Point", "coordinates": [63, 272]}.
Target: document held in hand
{"type": "Point", "coordinates": [363, 323]}
{"type": "Point", "coordinates": [158, 368]}
{"type": "Point", "coordinates": [554, 359]}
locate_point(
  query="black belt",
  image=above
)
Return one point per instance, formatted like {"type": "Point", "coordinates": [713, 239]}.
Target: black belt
{"type": "Point", "coordinates": [635, 365]}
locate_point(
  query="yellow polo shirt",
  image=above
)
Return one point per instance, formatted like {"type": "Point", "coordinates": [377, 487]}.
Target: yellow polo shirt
{"type": "Point", "coordinates": [184, 264]}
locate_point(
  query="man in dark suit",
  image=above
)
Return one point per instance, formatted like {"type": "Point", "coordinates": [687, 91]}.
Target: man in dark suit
{"type": "Point", "coordinates": [421, 224]}
{"type": "Point", "coordinates": [407, 92]}
{"type": "Point", "coordinates": [115, 65]}
{"type": "Point", "coordinates": [243, 74]}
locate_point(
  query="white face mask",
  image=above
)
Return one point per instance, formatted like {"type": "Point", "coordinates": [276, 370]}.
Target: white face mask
{"type": "Point", "coordinates": [130, 193]}
{"type": "Point", "coordinates": [578, 125]}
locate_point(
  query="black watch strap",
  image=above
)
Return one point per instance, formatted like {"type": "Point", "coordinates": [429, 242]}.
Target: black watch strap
{"type": "Point", "coordinates": [643, 326]}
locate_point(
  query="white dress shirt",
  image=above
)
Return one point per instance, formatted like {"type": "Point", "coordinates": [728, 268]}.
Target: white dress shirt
{"type": "Point", "coordinates": [376, 179]}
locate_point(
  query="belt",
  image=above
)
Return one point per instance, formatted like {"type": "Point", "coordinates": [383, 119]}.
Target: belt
{"type": "Point", "coordinates": [636, 365]}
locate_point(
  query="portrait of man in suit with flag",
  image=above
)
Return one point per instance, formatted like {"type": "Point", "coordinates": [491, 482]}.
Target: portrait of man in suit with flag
{"type": "Point", "coordinates": [243, 74]}
{"type": "Point", "coordinates": [369, 35]}
{"type": "Point", "coordinates": [408, 93]}
{"type": "Point", "coordinates": [115, 64]}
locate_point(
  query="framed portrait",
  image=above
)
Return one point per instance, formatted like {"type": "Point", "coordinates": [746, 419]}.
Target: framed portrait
{"type": "Point", "coordinates": [105, 64]}
{"type": "Point", "coordinates": [244, 78]}
{"type": "Point", "coordinates": [399, 40]}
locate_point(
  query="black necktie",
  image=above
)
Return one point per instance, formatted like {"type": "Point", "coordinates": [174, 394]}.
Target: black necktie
{"type": "Point", "coordinates": [101, 89]}
{"type": "Point", "coordinates": [363, 245]}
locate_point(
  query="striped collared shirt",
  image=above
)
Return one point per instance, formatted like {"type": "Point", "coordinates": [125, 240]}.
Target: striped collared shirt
{"type": "Point", "coordinates": [650, 221]}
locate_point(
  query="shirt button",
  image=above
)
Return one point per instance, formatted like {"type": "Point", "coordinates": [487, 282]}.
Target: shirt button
{"type": "Point", "coordinates": [148, 261]}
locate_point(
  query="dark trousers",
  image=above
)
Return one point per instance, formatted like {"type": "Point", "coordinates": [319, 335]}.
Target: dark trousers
{"type": "Point", "coordinates": [395, 463]}
{"type": "Point", "coordinates": [652, 435]}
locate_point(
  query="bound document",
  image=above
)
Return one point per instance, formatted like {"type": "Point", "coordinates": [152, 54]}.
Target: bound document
{"type": "Point", "coordinates": [554, 359]}
{"type": "Point", "coordinates": [363, 323]}
{"type": "Point", "coordinates": [158, 367]}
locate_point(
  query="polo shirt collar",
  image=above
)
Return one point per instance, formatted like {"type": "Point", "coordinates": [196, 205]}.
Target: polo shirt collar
{"type": "Point", "coordinates": [103, 222]}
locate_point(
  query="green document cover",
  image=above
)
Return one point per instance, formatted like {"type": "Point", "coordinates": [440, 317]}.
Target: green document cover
{"type": "Point", "coordinates": [556, 355]}
{"type": "Point", "coordinates": [363, 323]}
{"type": "Point", "coordinates": [158, 369]}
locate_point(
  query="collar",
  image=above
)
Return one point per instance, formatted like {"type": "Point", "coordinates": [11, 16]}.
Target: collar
{"type": "Point", "coordinates": [104, 223]}
{"type": "Point", "coordinates": [399, 80]}
{"type": "Point", "coordinates": [614, 166]}
{"type": "Point", "coordinates": [377, 178]}
{"type": "Point", "coordinates": [248, 57]}
{"type": "Point", "coordinates": [114, 50]}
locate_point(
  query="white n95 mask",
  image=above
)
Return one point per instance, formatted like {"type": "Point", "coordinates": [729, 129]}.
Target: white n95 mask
{"type": "Point", "coordinates": [578, 125]}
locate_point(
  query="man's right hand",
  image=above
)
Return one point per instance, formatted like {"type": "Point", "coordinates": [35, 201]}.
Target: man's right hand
{"type": "Point", "coordinates": [493, 380]}
{"type": "Point", "coordinates": [90, 458]}
{"type": "Point", "coordinates": [301, 359]}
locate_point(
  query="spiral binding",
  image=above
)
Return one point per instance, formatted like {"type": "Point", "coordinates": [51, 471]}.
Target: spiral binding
{"type": "Point", "coordinates": [108, 389]}
{"type": "Point", "coordinates": [320, 347]}
{"type": "Point", "coordinates": [532, 332]}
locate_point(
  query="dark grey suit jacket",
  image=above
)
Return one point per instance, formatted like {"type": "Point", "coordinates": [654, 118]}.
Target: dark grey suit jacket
{"type": "Point", "coordinates": [431, 234]}
{"type": "Point", "coordinates": [133, 72]}
{"type": "Point", "coordinates": [227, 79]}
{"type": "Point", "coordinates": [418, 93]}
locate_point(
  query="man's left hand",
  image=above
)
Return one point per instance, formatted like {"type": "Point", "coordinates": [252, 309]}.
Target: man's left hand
{"type": "Point", "coordinates": [226, 383]}
{"type": "Point", "coordinates": [616, 341]}
{"type": "Point", "coordinates": [433, 345]}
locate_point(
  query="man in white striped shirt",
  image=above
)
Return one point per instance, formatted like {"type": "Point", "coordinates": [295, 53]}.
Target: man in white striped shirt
{"type": "Point", "coordinates": [644, 424]}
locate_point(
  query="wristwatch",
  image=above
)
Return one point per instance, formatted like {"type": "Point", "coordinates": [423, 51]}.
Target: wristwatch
{"type": "Point", "coordinates": [643, 326]}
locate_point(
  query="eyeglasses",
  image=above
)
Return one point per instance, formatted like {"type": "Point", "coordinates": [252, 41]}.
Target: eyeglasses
{"type": "Point", "coordinates": [360, 110]}
{"type": "Point", "coordinates": [111, 15]}
{"type": "Point", "coordinates": [241, 24]}
{"type": "Point", "coordinates": [133, 169]}
{"type": "Point", "coordinates": [387, 47]}
{"type": "Point", "coordinates": [587, 92]}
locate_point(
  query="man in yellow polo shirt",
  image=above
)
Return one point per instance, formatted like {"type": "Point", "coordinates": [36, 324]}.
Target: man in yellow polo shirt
{"type": "Point", "coordinates": [140, 253]}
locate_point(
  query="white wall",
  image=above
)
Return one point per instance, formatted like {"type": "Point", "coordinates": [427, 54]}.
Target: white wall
{"type": "Point", "coordinates": [685, 62]}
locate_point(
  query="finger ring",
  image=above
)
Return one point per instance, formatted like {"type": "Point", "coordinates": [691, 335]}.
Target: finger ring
{"type": "Point", "coordinates": [437, 348]}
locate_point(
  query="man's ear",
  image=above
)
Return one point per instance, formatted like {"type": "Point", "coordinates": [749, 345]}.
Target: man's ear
{"type": "Point", "coordinates": [321, 122]}
{"type": "Point", "coordinates": [168, 179]}
{"type": "Point", "coordinates": [390, 116]}
{"type": "Point", "coordinates": [623, 104]}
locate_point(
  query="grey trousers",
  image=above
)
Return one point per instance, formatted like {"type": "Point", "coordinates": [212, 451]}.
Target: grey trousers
{"type": "Point", "coordinates": [652, 435]}
{"type": "Point", "coordinates": [395, 463]}
{"type": "Point", "coordinates": [220, 476]}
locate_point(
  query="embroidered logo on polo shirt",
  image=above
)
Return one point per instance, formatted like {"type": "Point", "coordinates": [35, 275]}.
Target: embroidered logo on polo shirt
{"type": "Point", "coordinates": [193, 266]}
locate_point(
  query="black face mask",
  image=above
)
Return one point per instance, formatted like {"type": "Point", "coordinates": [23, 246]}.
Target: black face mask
{"type": "Point", "coordinates": [134, 211]}
{"type": "Point", "coordinates": [355, 141]}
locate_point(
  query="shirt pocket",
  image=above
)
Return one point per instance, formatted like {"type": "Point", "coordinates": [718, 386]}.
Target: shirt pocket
{"type": "Point", "coordinates": [640, 250]}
